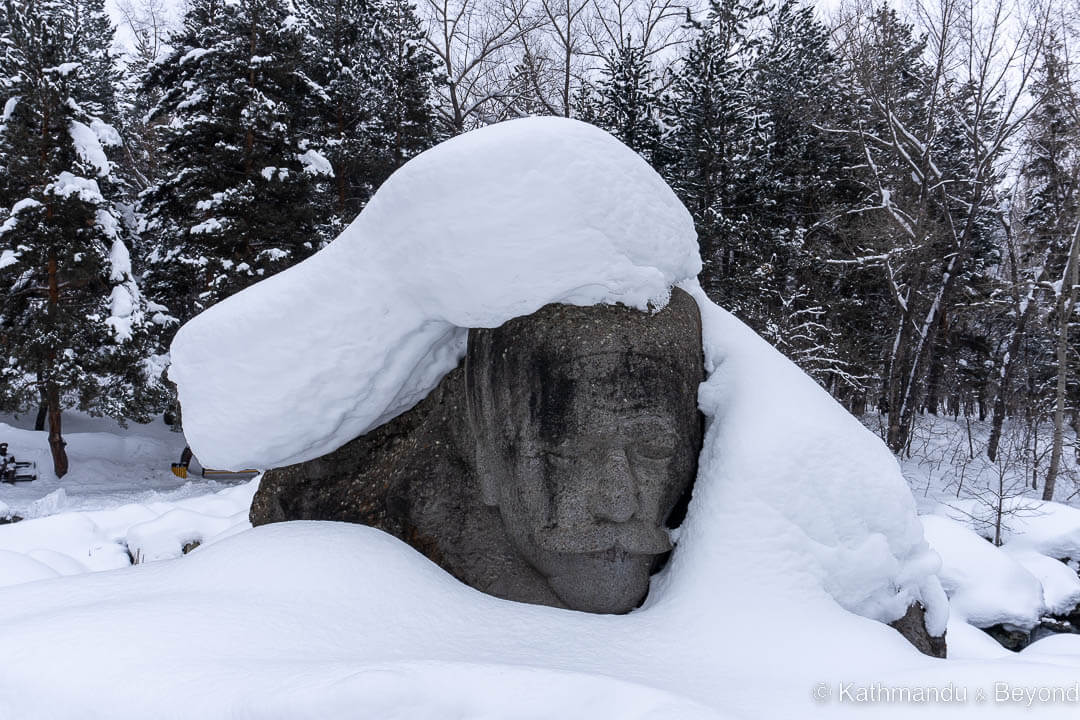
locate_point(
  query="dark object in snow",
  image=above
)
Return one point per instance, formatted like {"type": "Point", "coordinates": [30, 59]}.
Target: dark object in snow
{"type": "Point", "coordinates": [1016, 639]}
{"type": "Point", "coordinates": [543, 470]}
{"type": "Point", "coordinates": [181, 469]}
{"type": "Point", "coordinates": [913, 627]}
{"type": "Point", "coordinates": [1009, 637]}
{"type": "Point", "coordinates": [12, 470]}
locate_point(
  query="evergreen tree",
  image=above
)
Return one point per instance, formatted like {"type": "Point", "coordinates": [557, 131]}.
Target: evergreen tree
{"type": "Point", "coordinates": [713, 124]}
{"type": "Point", "coordinates": [74, 328]}
{"type": "Point", "coordinates": [1051, 168]}
{"type": "Point", "coordinates": [1049, 255]}
{"type": "Point", "coordinates": [797, 184]}
{"type": "Point", "coordinates": [626, 101]}
{"type": "Point", "coordinates": [139, 159]}
{"type": "Point", "coordinates": [370, 87]}
{"type": "Point", "coordinates": [234, 203]}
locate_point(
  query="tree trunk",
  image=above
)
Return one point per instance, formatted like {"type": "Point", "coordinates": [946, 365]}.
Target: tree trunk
{"type": "Point", "coordinates": [933, 382]}
{"type": "Point", "coordinates": [1066, 300]}
{"type": "Point", "coordinates": [52, 390]}
{"type": "Point", "coordinates": [39, 422]}
{"type": "Point", "coordinates": [56, 440]}
{"type": "Point", "coordinates": [1008, 363]}
{"type": "Point", "coordinates": [1076, 432]}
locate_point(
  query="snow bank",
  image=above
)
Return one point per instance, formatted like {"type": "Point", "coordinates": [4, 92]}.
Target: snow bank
{"type": "Point", "coordinates": [308, 620]}
{"type": "Point", "coordinates": [1060, 583]}
{"type": "Point", "coordinates": [986, 586]}
{"type": "Point", "coordinates": [1055, 646]}
{"type": "Point", "coordinates": [68, 543]}
{"type": "Point", "coordinates": [483, 228]}
{"type": "Point", "coordinates": [789, 477]}
{"type": "Point", "coordinates": [330, 620]}
{"type": "Point", "coordinates": [1048, 528]}
{"type": "Point", "coordinates": [16, 568]}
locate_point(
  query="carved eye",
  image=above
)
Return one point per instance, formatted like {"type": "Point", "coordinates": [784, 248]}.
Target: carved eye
{"type": "Point", "coordinates": [654, 450]}
{"type": "Point", "coordinates": [557, 458]}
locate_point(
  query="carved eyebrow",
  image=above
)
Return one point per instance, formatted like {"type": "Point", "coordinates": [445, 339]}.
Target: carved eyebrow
{"type": "Point", "coordinates": [653, 426]}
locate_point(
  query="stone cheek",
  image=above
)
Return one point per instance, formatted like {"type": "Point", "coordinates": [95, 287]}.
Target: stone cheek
{"type": "Point", "coordinates": [543, 470]}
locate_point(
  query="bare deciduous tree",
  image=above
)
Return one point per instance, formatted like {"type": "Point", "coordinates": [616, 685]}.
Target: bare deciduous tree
{"type": "Point", "coordinates": [475, 42]}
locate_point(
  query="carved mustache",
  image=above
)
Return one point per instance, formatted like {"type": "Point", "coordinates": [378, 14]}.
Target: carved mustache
{"type": "Point", "coordinates": [632, 538]}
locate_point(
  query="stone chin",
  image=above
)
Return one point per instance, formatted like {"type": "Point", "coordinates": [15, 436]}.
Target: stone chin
{"type": "Point", "coordinates": [611, 581]}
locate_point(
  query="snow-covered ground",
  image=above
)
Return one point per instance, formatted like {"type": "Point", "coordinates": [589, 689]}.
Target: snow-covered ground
{"type": "Point", "coordinates": [109, 466]}
{"type": "Point", "coordinates": [967, 502]}
{"type": "Point", "coordinates": [800, 543]}
{"type": "Point", "coordinates": [118, 505]}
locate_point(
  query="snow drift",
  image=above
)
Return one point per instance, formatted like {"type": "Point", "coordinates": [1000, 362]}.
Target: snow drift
{"type": "Point", "coordinates": [986, 585]}
{"type": "Point", "coordinates": [481, 229]}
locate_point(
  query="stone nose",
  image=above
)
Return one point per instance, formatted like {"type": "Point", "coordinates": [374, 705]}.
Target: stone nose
{"type": "Point", "coordinates": [614, 497]}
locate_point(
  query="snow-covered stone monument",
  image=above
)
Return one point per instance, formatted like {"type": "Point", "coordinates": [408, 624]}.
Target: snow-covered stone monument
{"type": "Point", "coordinates": [792, 496]}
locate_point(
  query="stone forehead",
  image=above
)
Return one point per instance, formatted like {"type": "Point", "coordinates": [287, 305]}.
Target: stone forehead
{"type": "Point", "coordinates": [570, 331]}
{"type": "Point", "coordinates": [565, 368]}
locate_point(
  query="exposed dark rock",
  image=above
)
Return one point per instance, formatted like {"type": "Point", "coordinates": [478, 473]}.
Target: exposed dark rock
{"type": "Point", "coordinates": [1010, 637]}
{"type": "Point", "coordinates": [543, 469]}
{"type": "Point", "coordinates": [1016, 639]}
{"type": "Point", "coordinates": [913, 627]}
{"type": "Point", "coordinates": [8, 519]}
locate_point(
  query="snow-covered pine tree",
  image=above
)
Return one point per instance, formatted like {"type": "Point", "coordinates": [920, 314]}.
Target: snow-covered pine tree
{"type": "Point", "coordinates": [788, 291]}
{"type": "Point", "coordinates": [1051, 224]}
{"type": "Point", "coordinates": [74, 328]}
{"type": "Point", "coordinates": [625, 100]}
{"type": "Point", "coordinates": [712, 126]}
{"type": "Point", "coordinates": [369, 81]}
{"type": "Point", "coordinates": [146, 26]}
{"type": "Point", "coordinates": [234, 202]}
{"type": "Point", "coordinates": [1051, 169]}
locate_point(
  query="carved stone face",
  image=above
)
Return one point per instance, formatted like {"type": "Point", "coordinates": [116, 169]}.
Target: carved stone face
{"type": "Point", "coordinates": [586, 441]}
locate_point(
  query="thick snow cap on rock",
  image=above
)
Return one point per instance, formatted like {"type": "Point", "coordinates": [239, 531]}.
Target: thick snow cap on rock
{"type": "Point", "coordinates": [483, 228]}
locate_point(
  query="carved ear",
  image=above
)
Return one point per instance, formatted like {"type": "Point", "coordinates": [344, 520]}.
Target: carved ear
{"type": "Point", "coordinates": [477, 405]}
{"type": "Point", "coordinates": [489, 470]}
{"type": "Point", "coordinates": [489, 484]}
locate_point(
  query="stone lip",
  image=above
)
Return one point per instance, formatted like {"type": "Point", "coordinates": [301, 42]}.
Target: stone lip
{"type": "Point", "coordinates": [592, 411]}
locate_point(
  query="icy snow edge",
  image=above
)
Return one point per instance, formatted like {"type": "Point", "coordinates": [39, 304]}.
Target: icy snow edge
{"type": "Point", "coordinates": [483, 228]}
